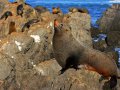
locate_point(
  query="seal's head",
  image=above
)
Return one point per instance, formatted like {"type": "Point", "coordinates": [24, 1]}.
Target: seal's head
{"type": "Point", "coordinates": [56, 10]}
{"type": "Point", "coordinates": [61, 28]}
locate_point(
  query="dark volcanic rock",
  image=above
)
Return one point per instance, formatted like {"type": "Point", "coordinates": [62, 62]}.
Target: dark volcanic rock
{"type": "Point", "coordinates": [95, 32]}
{"type": "Point", "coordinates": [6, 66]}
{"type": "Point", "coordinates": [113, 38]}
{"type": "Point", "coordinates": [100, 45]}
{"type": "Point", "coordinates": [111, 19]}
{"type": "Point", "coordinates": [110, 24]}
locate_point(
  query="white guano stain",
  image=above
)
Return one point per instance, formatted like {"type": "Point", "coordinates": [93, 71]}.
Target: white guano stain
{"type": "Point", "coordinates": [12, 56]}
{"type": "Point", "coordinates": [36, 38]}
{"type": "Point", "coordinates": [51, 24]}
{"type": "Point", "coordinates": [19, 45]}
{"type": "Point", "coordinates": [51, 43]}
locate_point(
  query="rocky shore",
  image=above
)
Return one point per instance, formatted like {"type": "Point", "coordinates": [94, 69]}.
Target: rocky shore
{"type": "Point", "coordinates": [26, 54]}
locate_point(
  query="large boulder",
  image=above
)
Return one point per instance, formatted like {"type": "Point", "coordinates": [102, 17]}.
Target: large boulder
{"type": "Point", "coordinates": [110, 24]}
{"type": "Point", "coordinates": [42, 34]}
{"type": "Point", "coordinates": [80, 27]}
{"type": "Point", "coordinates": [45, 76]}
{"type": "Point", "coordinates": [110, 20]}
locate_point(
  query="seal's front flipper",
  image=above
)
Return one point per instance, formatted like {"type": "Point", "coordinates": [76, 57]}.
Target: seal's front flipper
{"type": "Point", "coordinates": [62, 71]}
{"type": "Point", "coordinates": [75, 67]}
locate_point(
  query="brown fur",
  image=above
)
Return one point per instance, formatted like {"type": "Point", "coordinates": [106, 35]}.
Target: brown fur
{"type": "Point", "coordinates": [56, 10]}
{"type": "Point", "coordinates": [70, 53]}
{"type": "Point", "coordinates": [81, 10]}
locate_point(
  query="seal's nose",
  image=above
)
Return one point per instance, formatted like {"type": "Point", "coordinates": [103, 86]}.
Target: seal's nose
{"type": "Point", "coordinates": [56, 23]}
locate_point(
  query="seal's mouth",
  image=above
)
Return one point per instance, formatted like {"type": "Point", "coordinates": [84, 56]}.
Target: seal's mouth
{"type": "Point", "coordinates": [56, 23]}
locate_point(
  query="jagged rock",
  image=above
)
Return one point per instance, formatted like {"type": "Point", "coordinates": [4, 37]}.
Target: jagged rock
{"type": "Point", "coordinates": [95, 32]}
{"type": "Point", "coordinates": [111, 19]}
{"type": "Point", "coordinates": [16, 43]}
{"type": "Point", "coordinates": [43, 77]}
{"type": "Point", "coordinates": [113, 38]}
{"type": "Point", "coordinates": [80, 27]}
{"type": "Point", "coordinates": [6, 66]}
{"type": "Point", "coordinates": [48, 68]}
{"type": "Point", "coordinates": [42, 34]}
{"type": "Point", "coordinates": [45, 18]}
{"type": "Point", "coordinates": [75, 80]}
{"type": "Point", "coordinates": [110, 24]}
{"type": "Point", "coordinates": [100, 45]}
{"type": "Point", "coordinates": [41, 9]}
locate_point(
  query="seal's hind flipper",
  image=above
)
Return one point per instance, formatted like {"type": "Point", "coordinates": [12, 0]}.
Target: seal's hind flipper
{"type": "Point", "coordinates": [113, 82]}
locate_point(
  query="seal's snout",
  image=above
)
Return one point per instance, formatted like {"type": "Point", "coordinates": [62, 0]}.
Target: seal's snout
{"type": "Point", "coordinates": [56, 23]}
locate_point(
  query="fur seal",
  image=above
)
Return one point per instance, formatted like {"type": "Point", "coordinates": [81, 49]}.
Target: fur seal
{"type": "Point", "coordinates": [20, 10]}
{"type": "Point", "coordinates": [82, 10]}
{"type": "Point", "coordinates": [56, 10]}
{"type": "Point", "coordinates": [6, 14]}
{"type": "Point", "coordinates": [41, 9]}
{"type": "Point", "coordinates": [71, 53]}
{"type": "Point", "coordinates": [27, 25]}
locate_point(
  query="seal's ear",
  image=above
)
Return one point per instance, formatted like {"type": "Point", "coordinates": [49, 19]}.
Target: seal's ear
{"type": "Point", "coordinates": [56, 23]}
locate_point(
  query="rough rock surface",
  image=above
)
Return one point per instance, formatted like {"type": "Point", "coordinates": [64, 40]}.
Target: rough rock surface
{"type": "Point", "coordinates": [100, 45]}
{"type": "Point", "coordinates": [18, 21]}
{"type": "Point", "coordinates": [110, 24]}
{"type": "Point", "coordinates": [80, 25]}
{"type": "Point", "coordinates": [111, 19]}
{"type": "Point", "coordinates": [113, 38]}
